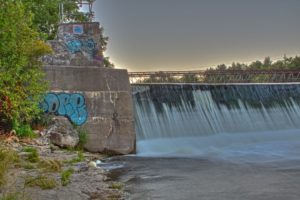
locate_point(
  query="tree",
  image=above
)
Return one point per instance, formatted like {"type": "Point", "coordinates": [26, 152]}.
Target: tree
{"type": "Point", "coordinates": [267, 62]}
{"type": "Point", "coordinates": [22, 82]}
{"type": "Point", "coordinates": [46, 15]}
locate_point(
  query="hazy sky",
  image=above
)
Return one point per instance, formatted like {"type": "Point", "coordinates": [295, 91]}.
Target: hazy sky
{"type": "Point", "coordinates": [147, 35]}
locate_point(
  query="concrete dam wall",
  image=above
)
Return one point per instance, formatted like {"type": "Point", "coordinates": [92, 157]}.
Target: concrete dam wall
{"type": "Point", "coordinates": [103, 99]}
{"type": "Point", "coordinates": [89, 95]}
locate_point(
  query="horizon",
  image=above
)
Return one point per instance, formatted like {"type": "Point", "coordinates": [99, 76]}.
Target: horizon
{"type": "Point", "coordinates": [153, 36]}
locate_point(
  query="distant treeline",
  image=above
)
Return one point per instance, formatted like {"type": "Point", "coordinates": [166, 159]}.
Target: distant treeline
{"type": "Point", "coordinates": [236, 72]}
{"type": "Point", "coordinates": [286, 63]}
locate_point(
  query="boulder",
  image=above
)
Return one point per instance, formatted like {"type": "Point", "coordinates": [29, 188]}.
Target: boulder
{"type": "Point", "coordinates": [62, 133]}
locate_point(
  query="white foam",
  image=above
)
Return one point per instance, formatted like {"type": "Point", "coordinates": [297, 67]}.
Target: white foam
{"type": "Point", "coordinates": [267, 146]}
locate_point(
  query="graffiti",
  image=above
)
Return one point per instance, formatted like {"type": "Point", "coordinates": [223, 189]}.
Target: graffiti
{"type": "Point", "coordinates": [77, 44]}
{"type": "Point", "coordinates": [71, 106]}
{"type": "Point", "coordinates": [77, 29]}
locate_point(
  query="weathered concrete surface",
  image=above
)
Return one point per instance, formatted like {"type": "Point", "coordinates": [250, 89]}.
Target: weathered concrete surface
{"type": "Point", "coordinates": [107, 93]}
{"type": "Point", "coordinates": [77, 44]}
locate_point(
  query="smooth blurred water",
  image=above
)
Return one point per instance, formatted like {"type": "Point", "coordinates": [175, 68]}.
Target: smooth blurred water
{"type": "Point", "coordinates": [256, 123]}
{"type": "Point", "coordinates": [214, 142]}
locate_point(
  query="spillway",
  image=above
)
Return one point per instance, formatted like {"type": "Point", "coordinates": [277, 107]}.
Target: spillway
{"type": "Point", "coordinates": [221, 120]}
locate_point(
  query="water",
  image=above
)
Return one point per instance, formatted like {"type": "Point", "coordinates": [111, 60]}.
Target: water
{"type": "Point", "coordinates": [214, 142]}
{"type": "Point", "coordinates": [218, 120]}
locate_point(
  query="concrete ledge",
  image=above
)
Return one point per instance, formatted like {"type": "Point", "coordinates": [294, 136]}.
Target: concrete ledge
{"type": "Point", "coordinates": [82, 78]}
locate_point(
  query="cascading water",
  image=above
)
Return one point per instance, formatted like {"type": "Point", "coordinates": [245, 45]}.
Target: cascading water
{"type": "Point", "coordinates": [258, 120]}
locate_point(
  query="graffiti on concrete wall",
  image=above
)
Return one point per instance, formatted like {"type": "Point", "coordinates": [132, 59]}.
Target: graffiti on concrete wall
{"type": "Point", "coordinates": [71, 106]}
{"type": "Point", "coordinates": [75, 43]}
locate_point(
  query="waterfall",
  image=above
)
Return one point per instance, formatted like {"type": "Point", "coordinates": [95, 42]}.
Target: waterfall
{"type": "Point", "coordinates": [198, 119]}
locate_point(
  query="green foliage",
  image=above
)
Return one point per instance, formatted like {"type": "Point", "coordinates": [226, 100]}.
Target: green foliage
{"type": "Point", "coordinates": [7, 158]}
{"type": "Point", "coordinates": [79, 158]}
{"type": "Point", "coordinates": [50, 165]}
{"type": "Point", "coordinates": [22, 82]}
{"type": "Point", "coordinates": [10, 196]}
{"type": "Point", "coordinates": [28, 166]}
{"type": "Point", "coordinates": [189, 78]}
{"type": "Point", "coordinates": [46, 15]}
{"type": "Point", "coordinates": [116, 186]}
{"type": "Point", "coordinates": [33, 155]}
{"type": "Point", "coordinates": [41, 181]}
{"type": "Point", "coordinates": [23, 130]}
{"type": "Point", "coordinates": [41, 121]}
{"type": "Point", "coordinates": [287, 63]}
{"type": "Point", "coordinates": [107, 63]}
{"type": "Point", "coordinates": [65, 176]}
{"type": "Point", "coordinates": [83, 138]}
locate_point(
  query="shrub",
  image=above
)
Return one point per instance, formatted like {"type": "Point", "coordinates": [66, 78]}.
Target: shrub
{"type": "Point", "coordinates": [23, 130]}
{"type": "Point", "coordinates": [22, 83]}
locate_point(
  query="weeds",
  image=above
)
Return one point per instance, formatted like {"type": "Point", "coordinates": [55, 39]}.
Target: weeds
{"type": "Point", "coordinates": [41, 181]}
{"type": "Point", "coordinates": [50, 165]}
{"type": "Point", "coordinates": [28, 166]}
{"type": "Point", "coordinates": [7, 158]}
{"type": "Point", "coordinates": [33, 155]}
{"type": "Point", "coordinates": [116, 186]}
{"type": "Point", "coordinates": [65, 176]}
{"type": "Point", "coordinates": [83, 138]}
{"type": "Point", "coordinates": [79, 158]}
{"type": "Point", "coordinates": [10, 196]}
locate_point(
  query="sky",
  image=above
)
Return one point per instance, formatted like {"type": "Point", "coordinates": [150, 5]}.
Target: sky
{"type": "Point", "coordinates": [157, 35]}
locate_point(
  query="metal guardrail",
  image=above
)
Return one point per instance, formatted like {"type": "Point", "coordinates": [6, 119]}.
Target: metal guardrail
{"type": "Point", "coordinates": [216, 76]}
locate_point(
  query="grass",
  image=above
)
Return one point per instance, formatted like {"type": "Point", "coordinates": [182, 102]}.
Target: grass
{"type": "Point", "coordinates": [50, 165]}
{"type": "Point", "coordinates": [41, 181]}
{"type": "Point", "coordinates": [28, 166]}
{"type": "Point", "coordinates": [83, 138]}
{"type": "Point", "coordinates": [114, 197]}
{"type": "Point", "coordinates": [33, 155]}
{"type": "Point", "coordinates": [79, 158]}
{"type": "Point", "coordinates": [10, 196]}
{"type": "Point", "coordinates": [8, 158]}
{"type": "Point", "coordinates": [116, 186]}
{"type": "Point", "coordinates": [65, 176]}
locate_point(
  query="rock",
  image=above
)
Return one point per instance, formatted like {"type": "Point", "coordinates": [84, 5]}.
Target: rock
{"type": "Point", "coordinates": [62, 133]}
{"type": "Point", "coordinates": [98, 162]}
{"type": "Point", "coordinates": [92, 164]}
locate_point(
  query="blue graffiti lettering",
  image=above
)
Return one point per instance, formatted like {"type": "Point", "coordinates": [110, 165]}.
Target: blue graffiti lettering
{"type": "Point", "coordinates": [63, 104]}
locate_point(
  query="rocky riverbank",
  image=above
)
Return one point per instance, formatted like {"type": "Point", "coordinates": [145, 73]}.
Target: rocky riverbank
{"type": "Point", "coordinates": [43, 171]}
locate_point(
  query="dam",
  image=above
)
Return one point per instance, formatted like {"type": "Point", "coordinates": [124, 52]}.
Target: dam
{"type": "Point", "coordinates": [216, 119]}
{"type": "Point", "coordinates": [214, 141]}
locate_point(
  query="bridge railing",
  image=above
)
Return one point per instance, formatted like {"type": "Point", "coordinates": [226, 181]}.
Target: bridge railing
{"type": "Point", "coordinates": [216, 76]}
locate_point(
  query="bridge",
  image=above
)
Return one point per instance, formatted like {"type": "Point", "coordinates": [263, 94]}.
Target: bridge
{"type": "Point", "coordinates": [215, 76]}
